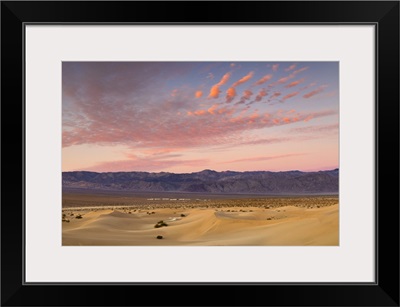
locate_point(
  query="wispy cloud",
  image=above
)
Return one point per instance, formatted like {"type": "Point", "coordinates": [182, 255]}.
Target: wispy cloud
{"type": "Point", "coordinates": [315, 92]}
{"type": "Point", "coordinates": [294, 83]}
{"type": "Point", "coordinates": [317, 129]}
{"type": "Point", "coordinates": [264, 158]}
{"type": "Point", "coordinates": [275, 95]}
{"type": "Point", "coordinates": [290, 95]}
{"type": "Point", "coordinates": [288, 77]}
{"type": "Point", "coordinates": [146, 164]}
{"type": "Point", "coordinates": [244, 79]}
{"type": "Point", "coordinates": [291, 67]}
{"type": "Point", "coordinates": [263, 79]}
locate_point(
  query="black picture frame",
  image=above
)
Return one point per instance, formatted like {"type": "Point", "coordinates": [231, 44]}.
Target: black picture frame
{"type": "Point", "coordinates": [384, 15]}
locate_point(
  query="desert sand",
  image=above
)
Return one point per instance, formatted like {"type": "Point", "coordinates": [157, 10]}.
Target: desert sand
{"type": "Point", "coordinates": [287, 223]}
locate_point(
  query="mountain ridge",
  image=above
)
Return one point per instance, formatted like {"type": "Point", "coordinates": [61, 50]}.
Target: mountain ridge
{"type": "Point", "coordinates": [208, 181]}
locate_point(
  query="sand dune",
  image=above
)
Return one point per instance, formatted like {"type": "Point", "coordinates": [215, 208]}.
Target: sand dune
{"type": "Point", "coordinates": [288, 225]}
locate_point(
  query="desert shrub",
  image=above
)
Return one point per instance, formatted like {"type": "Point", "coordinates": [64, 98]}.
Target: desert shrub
{"type": "Point", "coordinates": [182, 215]}
{"type": "Point", "coordinates": [159, 237]}
{"type": "Point", "coordinates": [160, 224]}
{"type": "Point", "coordinates": [78, 216]}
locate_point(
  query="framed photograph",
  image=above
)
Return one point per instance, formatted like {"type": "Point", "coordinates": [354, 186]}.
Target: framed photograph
{"type": "Point", "coordinates": [228, 149]}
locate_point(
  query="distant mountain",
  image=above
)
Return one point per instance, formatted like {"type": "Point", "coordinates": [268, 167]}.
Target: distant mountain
{"type": "Point", "coordinates": [208, 181]}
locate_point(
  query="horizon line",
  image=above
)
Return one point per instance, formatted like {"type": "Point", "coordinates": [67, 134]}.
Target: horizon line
{"type": "Point", "coordinates": [294, 170]}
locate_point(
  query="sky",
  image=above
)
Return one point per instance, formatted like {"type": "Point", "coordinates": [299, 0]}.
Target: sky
{"type": "Point", "coordinates": [185, 117]}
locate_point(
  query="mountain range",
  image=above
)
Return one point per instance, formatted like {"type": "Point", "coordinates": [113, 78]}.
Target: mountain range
{"type": "Point", "coordinates": [208, 181]}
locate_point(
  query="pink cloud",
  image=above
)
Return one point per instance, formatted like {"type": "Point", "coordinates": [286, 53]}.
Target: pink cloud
{"type": "Point", "coordinates": [212, 109]}
{"type": "Point", "coordinates": [254, 159]}
{"type": "Point", "coordinates": [262, 93]}
{"type": "Point", "coordinates": [230, 94]}
{"type": "Point", "coordinates": [300, 70]}
{"type": "Point", "coordinates": [200, 112]}
{"type": "Point", "coordinates": [290, 95]}
{"type": "Point", "coordinates": [198, 94]}
{"type": "Point", "coordinates": [146, 130]}
{"type": "Point", "coordinates": [291, 67]}
{"type": "Point", "coordinates": [315, 92]}
{"type": "Point", "coordinates": [145, 164]}
{"type": "Point", "coordinates": [263, 79]}
{"type": "Point", "coordinates": [156, 152]}
{"type": "Point", "coordinates": [275, 67]}
{"type": "Point", "coordinates": [317, 129]}
{"type": "Point", "coordinates": [246, 96]}
{"type": "Point", "coordinates": [289, 77]}
{"type": "Point", "coordinates": [275, 95]}
{"type": "Point", "coordinates": [215, 91]}
{"type": "Point", "coordinates": [294, 83]}
{"type": "Point", "coordinates": [244, 79]}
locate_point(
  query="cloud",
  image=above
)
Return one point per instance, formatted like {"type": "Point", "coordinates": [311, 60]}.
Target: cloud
{"type": "Point", "coordinates": [262, 93]}
{"type": "Point", "coordinates": [275, 67]}
{"type": "Point", "coordinates": [160, 127]}
{"type": "Point", "coordinates": [289, 77]}
{"type": "Point", "coordinates": [275, 95]}
{"type": "Point", "coordinates": [264, 158]}
{"type": "Point", "coordinates": [215, 91]}
{"type": "Point", "coordinates": [291, 67]}
{"type": "Point", "coordinates": [294, 83]}
{"type": "Point", "coordinates": [164, 152]}
{"type": "Point", "coordinates": [244, 79]}
{"type": "Point", "coordinates": [300, 70]}
{"type": "Point", "coordinates": [263, 79]}
{"type": "Point", "coordinates": [198, 112]}
{"type": "Point", "coordinates": [212, 109]}
{"type": "Point", "coordinates": [145, 164]}
{"type": "Point", "coordinates": [317, 129]}
{"type": "Point", "coordinates": [232, 65]}
{"type": "Point", "coordinates": [230, 94]}
{"type": "Point", "coordinates": [290, 95]}
{"type": "Point", "coordinates": [198, 94]}
{"type": "Point", "coordinates": [265, 141]}
{"type": "Point", "coordinates": [246, 96]}
{"type": "Point", "coordinates": [315, 92]}
{"type": "Point", "coordinates": [125, 105]}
